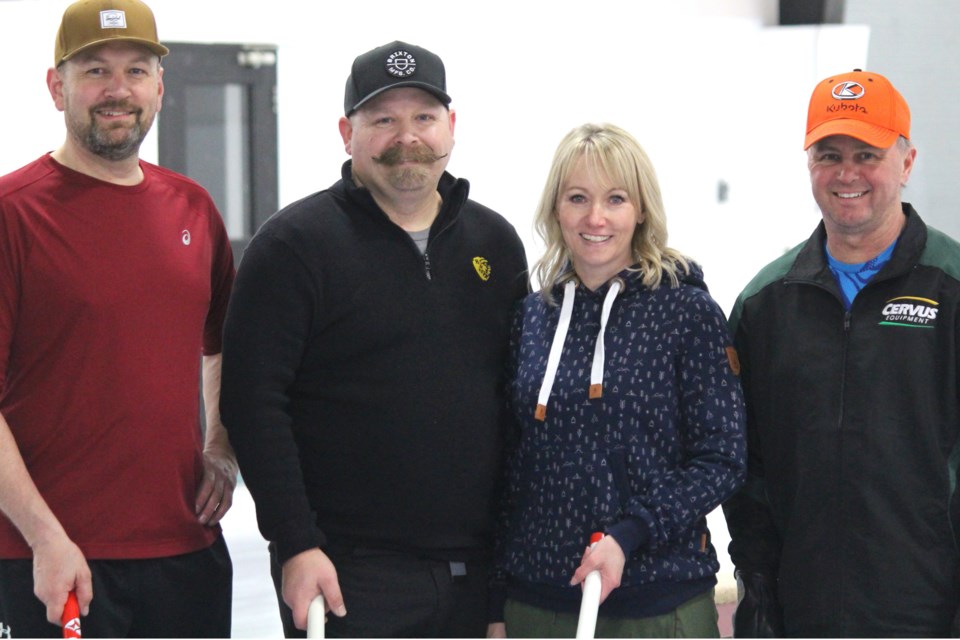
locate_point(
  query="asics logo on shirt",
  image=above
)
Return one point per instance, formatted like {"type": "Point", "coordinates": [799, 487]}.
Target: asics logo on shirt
{"type": "Point", "coordinates": [910, 311]}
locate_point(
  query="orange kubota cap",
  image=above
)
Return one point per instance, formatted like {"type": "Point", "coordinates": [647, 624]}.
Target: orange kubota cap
{"type": "Point", "coordinates": [88, 23]}
{"type": "Point", "coordinates": [858, 104]}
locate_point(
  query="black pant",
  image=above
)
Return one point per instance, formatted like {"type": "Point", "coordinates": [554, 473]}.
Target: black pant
{"type": "Point", "coordinates": [390, 594]}
{"type": "Point", "coordinates": [186, 596]}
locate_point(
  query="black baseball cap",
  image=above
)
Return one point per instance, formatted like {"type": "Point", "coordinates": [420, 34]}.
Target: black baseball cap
{"type": "Point", "coordinates": [393, 65]}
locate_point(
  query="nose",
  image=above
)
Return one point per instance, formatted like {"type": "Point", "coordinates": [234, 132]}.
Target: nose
{"type": "Point", "coordinates": [595, 216]}
{"type": "Point", "coordinates": [117, 86]}
{"type": "Point", "coordinates": [406, 134]}
{"type": "Point", "coordinates": [847, 172]}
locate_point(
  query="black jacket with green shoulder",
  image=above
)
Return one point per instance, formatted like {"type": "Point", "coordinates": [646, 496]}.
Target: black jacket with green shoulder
{"type": "Point", "coordinates": [853, 420]}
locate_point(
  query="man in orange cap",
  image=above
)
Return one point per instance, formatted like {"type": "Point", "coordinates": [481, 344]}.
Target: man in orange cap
{"type": "Point", "coordinates": [114, 278]}
{"type": "Point", "coordinates": [850, 353]}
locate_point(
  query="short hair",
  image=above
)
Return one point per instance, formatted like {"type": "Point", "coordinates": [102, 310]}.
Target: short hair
{"type": "Point", "coordinates": [610, 151]}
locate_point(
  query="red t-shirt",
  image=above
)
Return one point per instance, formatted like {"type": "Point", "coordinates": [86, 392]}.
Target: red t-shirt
{"type": "Point", "coordinates": [109, 295]}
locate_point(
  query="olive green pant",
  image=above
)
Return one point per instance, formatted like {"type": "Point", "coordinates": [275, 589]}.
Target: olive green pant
{"type": "Point", "coordinates": [695, 618]}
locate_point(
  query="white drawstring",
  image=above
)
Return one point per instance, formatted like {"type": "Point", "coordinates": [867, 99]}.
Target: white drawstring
{"type": "Point", "coordinates": [560, 336]}
{"type": "Point", "coordinates": [596, 372]}
{"type": "Point", "coordinates": [553, 360]}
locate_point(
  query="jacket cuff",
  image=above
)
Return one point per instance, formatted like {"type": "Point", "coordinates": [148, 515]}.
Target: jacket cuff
{"type": "Point", "coordinates": [496, 601]}
{"type": "Point", "coordinates": [292, 538]}
{"type": "Point", "coordinates": [631, 534]}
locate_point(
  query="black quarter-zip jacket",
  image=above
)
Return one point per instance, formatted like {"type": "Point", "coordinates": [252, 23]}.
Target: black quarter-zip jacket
{"type": "Point", "coordinates": [853, 420]}
{"type": "Point", "coordinates": [362, 380]}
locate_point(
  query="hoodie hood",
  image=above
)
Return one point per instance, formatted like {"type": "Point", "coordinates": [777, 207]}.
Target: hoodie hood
{"type": "Point", "coordinates": [631, 278]}
{"type": "Point", "coordinates": [694, 278]}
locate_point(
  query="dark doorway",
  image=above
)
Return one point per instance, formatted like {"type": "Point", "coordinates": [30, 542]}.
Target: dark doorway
{"type": "Point", "coordinates": [219, 126]}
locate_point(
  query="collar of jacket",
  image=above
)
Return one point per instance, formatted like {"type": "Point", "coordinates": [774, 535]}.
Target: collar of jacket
{"type": "Point", "coordinates": [811, 263]}
{"type": "Point", "coordinates": [454, 192]}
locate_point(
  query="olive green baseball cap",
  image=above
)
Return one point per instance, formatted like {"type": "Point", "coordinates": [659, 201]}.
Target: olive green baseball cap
{"type": "Point", "coordinates": [88, 23]}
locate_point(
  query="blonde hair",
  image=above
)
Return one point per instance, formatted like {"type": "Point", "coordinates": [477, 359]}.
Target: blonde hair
{"type": "Point", "coordinates": [613, 153]}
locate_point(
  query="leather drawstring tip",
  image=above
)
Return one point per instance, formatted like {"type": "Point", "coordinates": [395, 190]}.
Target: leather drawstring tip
{"type": "Point", "coordinates": [596, 391]}
{"type": "Point", "coordinates": [541, 412]}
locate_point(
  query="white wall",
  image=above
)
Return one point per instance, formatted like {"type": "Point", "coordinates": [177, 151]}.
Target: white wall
{"type": "Point", "coordinates": [710, 91]}
{"type": "Point", "coordinates": [915, 45]}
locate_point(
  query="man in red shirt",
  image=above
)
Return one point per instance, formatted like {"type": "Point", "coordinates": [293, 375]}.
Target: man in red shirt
{"type": "Point", "coordinates": [114, 279]}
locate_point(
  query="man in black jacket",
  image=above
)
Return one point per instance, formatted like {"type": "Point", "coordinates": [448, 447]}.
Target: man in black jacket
{"type": "Point", "coordinates": [850, 345]}
{"type": "Point", "coordinates": [363, 352]}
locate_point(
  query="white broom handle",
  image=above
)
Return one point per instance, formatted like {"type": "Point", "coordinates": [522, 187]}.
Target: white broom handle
{"type": "Point", "coordinates": [315, 615]}
{"type": "Point", "coordinates": [590, 602]}
{"type": "Point", "coordinates": [589, 606]}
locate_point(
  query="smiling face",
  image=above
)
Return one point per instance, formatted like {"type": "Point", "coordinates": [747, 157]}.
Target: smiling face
{"type": "Point", "coordinates": [857, 187]}
{"type": "Point", "coordinates": [400, 142]}
{"type": "Point", "coordinates": [598, 221]}
{"type": "Point", "coordinates": [110, 96]}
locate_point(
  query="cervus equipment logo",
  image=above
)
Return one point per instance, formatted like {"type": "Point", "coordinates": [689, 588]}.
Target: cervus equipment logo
{"type": "Point", "coordinates": [482, 267]}
{"type": "Point", "coordinates": [910, 311]}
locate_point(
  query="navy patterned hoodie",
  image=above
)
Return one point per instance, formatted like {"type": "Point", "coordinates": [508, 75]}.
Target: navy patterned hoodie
{"type": "Point", "coordinates": [644, 462]}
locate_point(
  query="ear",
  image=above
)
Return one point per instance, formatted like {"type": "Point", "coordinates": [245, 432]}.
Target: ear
{"type": "Point", "coordinates": [908, 159]}
{"type": "Point", "coordinates": [159, 87]}
{"type": "Point", "coordinates": [453, 125]}
{"type": "Point", "coordinates": [55, 86]}
{"type": "Point", "coordinates": [346, 132]}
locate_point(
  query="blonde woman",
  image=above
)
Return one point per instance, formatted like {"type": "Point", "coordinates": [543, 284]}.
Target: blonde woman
{"type": "Point", "coordinates": [629, 412]}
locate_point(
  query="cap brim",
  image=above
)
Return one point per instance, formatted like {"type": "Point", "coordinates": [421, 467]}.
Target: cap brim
{"type": "Point", "coordinates": [439, 95]}
{"type": "Point", "coordinates": [158, 49]}
{"type": "Point", "coordinates": [873, 135]}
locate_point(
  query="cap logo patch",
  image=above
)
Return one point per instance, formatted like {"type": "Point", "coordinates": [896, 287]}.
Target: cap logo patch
{"type": "Point", "coordinates": [401, 64]}
{"type": "Point", "coordinates": [848, 91]}
{"type": "Point", "coordinates": [113, 19]}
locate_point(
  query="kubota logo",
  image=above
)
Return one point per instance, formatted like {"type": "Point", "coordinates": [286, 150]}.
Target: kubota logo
{"type": "Point", "coordinates": [848, 91]}
{"type": "Point", "coordinates": [910, 311]}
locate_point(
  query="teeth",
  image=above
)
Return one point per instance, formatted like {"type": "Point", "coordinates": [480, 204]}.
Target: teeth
{"type": "Point", "coordinates": [850, 195]}
{"type": "Point", "coordinates": [591, 238]}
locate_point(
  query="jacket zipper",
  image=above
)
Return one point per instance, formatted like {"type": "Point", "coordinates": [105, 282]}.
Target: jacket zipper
{"type": "Point", "coordinates": [843, 365]}
{"type": "Point", "coordinates": [846, 338]}
{"type": "Point", "coordinates": [426, 263]}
